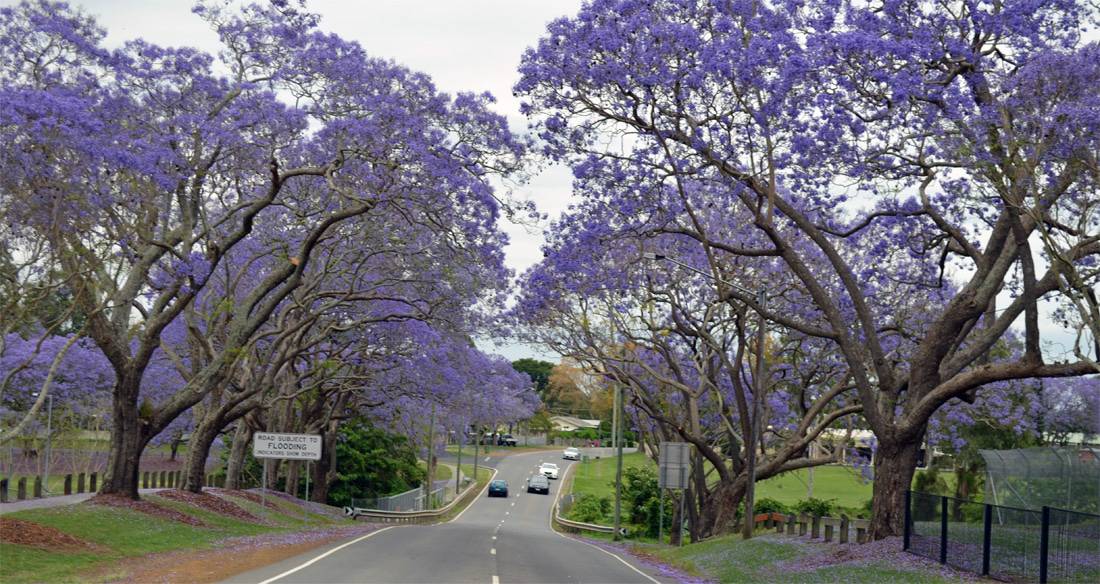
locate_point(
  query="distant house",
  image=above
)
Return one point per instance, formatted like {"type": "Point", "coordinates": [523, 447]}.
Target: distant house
{"type": "Point", "coordinates": [570, 423]}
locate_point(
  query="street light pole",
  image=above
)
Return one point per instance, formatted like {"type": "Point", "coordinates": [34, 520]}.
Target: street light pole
{"type": "Point", "coordinates": [757, 394]}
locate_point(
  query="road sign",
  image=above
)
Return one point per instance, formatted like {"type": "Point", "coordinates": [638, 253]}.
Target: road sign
{"type": "Point", "coordinates": [674, 465]}
{"type": "Point", "coordinates": [286, 446]}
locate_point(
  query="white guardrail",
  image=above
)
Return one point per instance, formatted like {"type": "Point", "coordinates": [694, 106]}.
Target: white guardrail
{"type": "Point", "coordinates": [569, 524]}
{"type": "Point", "coordinates": [429, 516]}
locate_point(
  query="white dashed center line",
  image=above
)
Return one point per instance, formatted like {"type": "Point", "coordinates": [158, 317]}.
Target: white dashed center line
{"type": "Point", "coordinates": [492, 551]}
{"type": "Point", "coordinates": [496, 580]}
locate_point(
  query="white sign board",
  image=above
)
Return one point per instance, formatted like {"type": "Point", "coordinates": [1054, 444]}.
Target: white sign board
{"type": "Point", "coordinates": [286, 446]}
{"type": "Point", "coordinates": [674, 464]}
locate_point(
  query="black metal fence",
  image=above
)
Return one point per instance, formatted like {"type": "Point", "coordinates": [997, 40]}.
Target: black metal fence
{"type": "Point", "coordinates": [1006, 543]}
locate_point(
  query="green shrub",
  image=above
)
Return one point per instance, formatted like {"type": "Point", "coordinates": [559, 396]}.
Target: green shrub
{"type": "Point", "coordinates": [814, 506]}
{"type": "Point", "coordinates": [589, 509]}
{"type": "Point", "coordinates": [768, 505]}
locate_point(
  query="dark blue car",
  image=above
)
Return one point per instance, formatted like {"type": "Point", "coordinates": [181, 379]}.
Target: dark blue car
{"type": "Point", "coordinates": [498, 488]}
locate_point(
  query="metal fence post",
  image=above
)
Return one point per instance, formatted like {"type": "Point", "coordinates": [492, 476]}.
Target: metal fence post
{"type": "Point", "coordinates": [987, 536]}
{"type": "Point", "coordinates": [943, 530]}
{"type": "Point", "coordinates": [907, 531]}
{"type": "Point", "coordinates": [1044, 545]}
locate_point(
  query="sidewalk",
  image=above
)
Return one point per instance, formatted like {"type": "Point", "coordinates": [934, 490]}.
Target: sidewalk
{"type": "Point", "coordinates": [59, 501]}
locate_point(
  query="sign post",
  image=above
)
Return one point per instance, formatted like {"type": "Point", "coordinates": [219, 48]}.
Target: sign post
{"type": "Point", "coordinates": [267, 445]}
{"type": "Point", "coordinates": [673, 468]}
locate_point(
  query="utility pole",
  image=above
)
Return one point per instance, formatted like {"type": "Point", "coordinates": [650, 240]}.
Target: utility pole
{"type": "Point", "coordinates": [477, 441]}
{"type": "Point", "coordinates": [618, 441]}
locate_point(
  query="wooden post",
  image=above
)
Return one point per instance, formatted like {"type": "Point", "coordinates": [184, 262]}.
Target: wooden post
{"type": "Point", "coordinates": [163, 479]}
{"type": "Point", "coordinates": [80, 483]}
{"type": "Point", "coordinates": [842, 537]}
{"type": "Point", "coordinates": [779, 520]}
{"type": "Point", "coordinates": [21, 489]}
{"type": "Point", "coordinates": [68, 484]}
{"type": "Point", "coordinates": [93, 482]}
{"type": "Point", "coordinates": [3, 490]}
{"type": "Point", "coordinates": [815, 530]}
{"type": "Point", "coordinates": [179, 478]}
{"type": "Point", "coordinates": [145, 480]}
{"type": "Point", "coordinates": [802, 521]}
{"type": "Point", "coordinates": [153, 480]}
{"type": "Point", "coordinates": [38, 487]}
{"type": "Point", "coordinates": [829, 528]}
{"type": "Point", "coordinates": [790, 524]}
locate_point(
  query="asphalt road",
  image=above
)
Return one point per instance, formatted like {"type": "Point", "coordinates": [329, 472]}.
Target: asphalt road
{"type": "Point", "coordinates": [495, 541]}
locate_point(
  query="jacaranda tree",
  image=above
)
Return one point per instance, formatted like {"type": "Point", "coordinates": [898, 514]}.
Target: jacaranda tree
{"type": "Point", "coordinates": [142, 168]}
{"type": "Point", "coordinates": [952, 131]}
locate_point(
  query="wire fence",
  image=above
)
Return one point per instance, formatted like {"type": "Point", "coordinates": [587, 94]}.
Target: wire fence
{"type": "Point", "coordinates": [1005, 543]}
{"type": "Point", "coordinates": [411, 500]}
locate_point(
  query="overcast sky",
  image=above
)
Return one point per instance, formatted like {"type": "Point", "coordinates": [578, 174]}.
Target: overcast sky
{"type": "Point", "coordinates": [465, 45]}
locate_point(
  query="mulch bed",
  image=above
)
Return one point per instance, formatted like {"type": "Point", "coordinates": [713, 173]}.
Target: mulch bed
{"type": "Point", "coordinates": [210, 503]}
{"type": "Point", "coordinates": [147, 507]}
{"type": "Point", "coordinates": [42, 537]}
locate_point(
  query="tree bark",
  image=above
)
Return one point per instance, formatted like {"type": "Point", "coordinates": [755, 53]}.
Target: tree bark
{"type": "Point", "coordinates": [198, 448]}
{"type": "Point", "coordinates": [128, 440]}
{"type": "Point", "coordinates": [894, 465]}
{"type": "Point", "coordinates": [324, 471]}
{"type": "Point", "coordinates": [292, 471]}
{"type": "Point", "coordinates": [235, 466]}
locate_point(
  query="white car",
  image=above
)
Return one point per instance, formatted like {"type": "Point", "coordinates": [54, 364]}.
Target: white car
{"type": "Point", "coordinates": [571, 454]}
{"type": "Point", "coordinates": [549, 469]}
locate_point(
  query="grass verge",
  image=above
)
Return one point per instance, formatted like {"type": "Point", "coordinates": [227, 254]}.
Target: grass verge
{"type": "Point", "coordinates": [120, 534]}
{"type": "Point", "coordinates": [784, 559]}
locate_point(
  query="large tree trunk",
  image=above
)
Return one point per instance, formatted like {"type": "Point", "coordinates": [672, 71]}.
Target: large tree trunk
{"type": "Point", "coordinates": [292, 471]}
{"type": "Point", "coordinates": [235, 467]}
{"type": "Point", "coordinates": [894, 465]}
{"type": "Point", "coordinates": [198, 448]}
{"type": "Point", "coordinates": [324, 470]}
{"type": "Point", "coordinates": [128, 440]}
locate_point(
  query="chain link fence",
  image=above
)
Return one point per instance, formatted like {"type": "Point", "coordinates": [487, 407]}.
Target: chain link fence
{"type": "Point", "coordinates": [411, 500]}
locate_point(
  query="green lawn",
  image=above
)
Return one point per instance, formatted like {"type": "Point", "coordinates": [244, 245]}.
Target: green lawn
{"type": "Point", "coordinates": [773, 558]}
{"type": "Point", "coordinates": [123, 533]}
{"type": "Point", "coordinates": [841, 483]}
{"type": "Point", "coordinates": [442, 472]}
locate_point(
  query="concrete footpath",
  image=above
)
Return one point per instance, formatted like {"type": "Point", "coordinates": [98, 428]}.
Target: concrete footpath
{"type": "Point", "coordinates": [57, 501]}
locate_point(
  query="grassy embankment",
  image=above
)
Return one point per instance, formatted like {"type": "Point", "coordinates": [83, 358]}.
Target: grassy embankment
{"type": "Point", "coordinates": [840, 484]}
{"type": "Point", "coordinates": [773, 558]}
{"type": "Point", "coordinates": [118, 534]}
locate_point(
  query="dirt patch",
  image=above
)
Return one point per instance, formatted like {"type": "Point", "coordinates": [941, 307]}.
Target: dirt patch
{"type": "Point", "coordinates": [42, 537]}
{"type": "Point", "coordinates": [233, 556]}
{"type": "Point", "coordinates": [209, 502]}
{"type": "Point", "coordinates": [147, 507]}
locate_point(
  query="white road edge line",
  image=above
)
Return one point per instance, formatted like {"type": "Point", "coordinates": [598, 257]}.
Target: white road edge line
{"type": "Point", "coordinates": [486, 487]}
{"type": "Point", "coordinates": [325, 555]}
{"type": "Point", "coordinates": [616, 556]}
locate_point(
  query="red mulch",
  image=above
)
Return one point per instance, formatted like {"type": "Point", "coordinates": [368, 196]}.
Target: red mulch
{"type": "Point", "coordinates": [254, 497]}
{"type": "Point", "coordinates": [41, 537]}
{"type": "Point", "coordinates": [210, 503]}
{"type": "Point", "coordinates": [147, 507]}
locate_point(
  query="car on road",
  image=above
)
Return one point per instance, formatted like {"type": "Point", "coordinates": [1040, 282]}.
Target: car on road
{"type": "Point", "coordinates": [571, 454]}
{"type": "Point", "coordinates": [538, 484]}
{"type": "Point", "coordinates": [498, 488]}
{"type": "Point", "coordinates": [506, 440]}
{"type": "Point", "coordinates": [549, 470]}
